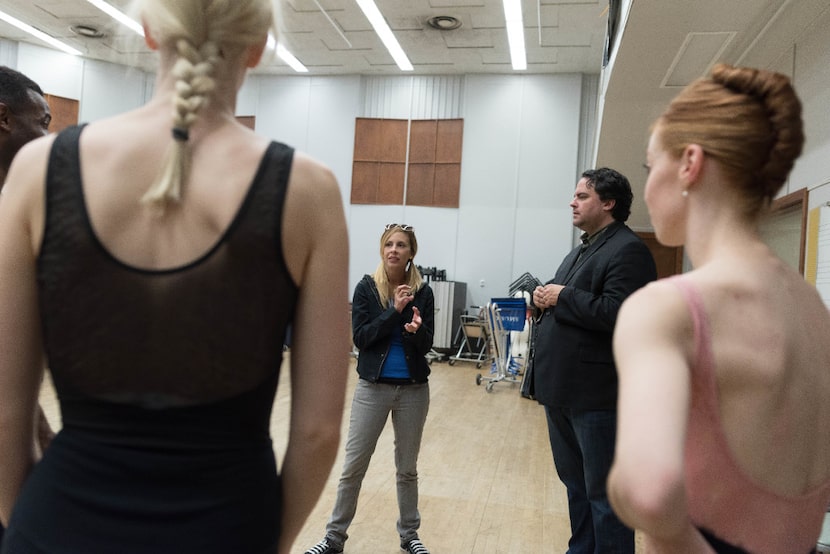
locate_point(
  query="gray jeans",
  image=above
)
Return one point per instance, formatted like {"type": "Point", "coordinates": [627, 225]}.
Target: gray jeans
{"type": "Point", "coordinates": [371, 406]}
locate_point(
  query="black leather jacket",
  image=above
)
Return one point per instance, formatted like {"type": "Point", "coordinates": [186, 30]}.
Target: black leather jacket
{"type": "Point", "coordinates": [373, 325]}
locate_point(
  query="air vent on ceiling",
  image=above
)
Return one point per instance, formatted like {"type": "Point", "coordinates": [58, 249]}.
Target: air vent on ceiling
{"type": "Point", "coordinates": [444, 22]}
{"type": "Point", "coordinates": [86, 31]}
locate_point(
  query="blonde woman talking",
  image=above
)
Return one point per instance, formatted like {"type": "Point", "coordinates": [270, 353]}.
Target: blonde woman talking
{"type": "Point", "coordinates": [393, 317]}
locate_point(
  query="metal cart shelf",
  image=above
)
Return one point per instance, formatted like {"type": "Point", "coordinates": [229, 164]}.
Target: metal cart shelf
{"type": "Point", "coordinates": [474, 337]}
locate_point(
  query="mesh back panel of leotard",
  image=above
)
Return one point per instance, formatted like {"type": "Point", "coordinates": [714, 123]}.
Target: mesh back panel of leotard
{"type": "Point", "coordinates": [195, 334]}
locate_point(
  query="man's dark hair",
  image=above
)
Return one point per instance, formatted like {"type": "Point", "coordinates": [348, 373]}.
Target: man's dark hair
{"type": "Point", "coordinates": [15, 87]}
{"type": "Point", "coordinates": [612, 185]}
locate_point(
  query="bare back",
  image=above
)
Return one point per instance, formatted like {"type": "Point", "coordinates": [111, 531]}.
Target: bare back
{"type": "Point", "coordinates": [771, 344]}
{"type": "Point", "coordinates": [116, 174]}
{"type": "Point", "coordinates": [121, 156]}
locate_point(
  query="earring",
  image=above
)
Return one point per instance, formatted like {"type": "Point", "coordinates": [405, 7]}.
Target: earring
{"type": "Point", "coordinates": [685, 193]}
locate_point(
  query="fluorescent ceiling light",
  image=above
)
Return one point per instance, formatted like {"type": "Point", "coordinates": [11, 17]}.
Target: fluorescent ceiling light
{"type": "Point", "coordinates": [39, 34]}
{"type": "Point", "coordinates": [515, 33]}
{"type": "Point", "coordinates": [372, 13]}
{"type": "Point", "coordinates": [285, 55]}
{"type": "Point", "coordinates": [290, 59]}
{"type": "Point", "coordinates": [118, 15]}
{"type": "Point", "coordinates": [124, 19]}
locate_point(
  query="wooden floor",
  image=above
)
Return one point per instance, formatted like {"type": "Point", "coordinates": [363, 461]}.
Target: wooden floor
{"type": "Point", "coordinates": [487, 481]}
{"type": "Point", "coordinates": [487, 484]}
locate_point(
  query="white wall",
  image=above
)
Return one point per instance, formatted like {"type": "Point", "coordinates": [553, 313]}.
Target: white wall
{"type": "Point", "coordinates": [109, 89]}
{"type": "Point", "coordinates": [517, 172]}
{"type": "Point", "coordinates": [805, 61]}
{"type": "Point", "coordinates": [519, 160]}
{"type": "Point", "coordinates": [517, 178]}
{"type": "Point", "coordinates": [102, 89]}
{"type": "Point", "coordinates": [315, 115]}
{"type": "Point", "coordinates": [56, 73]}
{"type": "Point", "coordinates": [519, 157]}
{"type": "Point", "coordinates": [812, 83]}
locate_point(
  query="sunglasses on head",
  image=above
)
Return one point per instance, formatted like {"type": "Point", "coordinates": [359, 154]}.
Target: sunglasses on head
{"type": "Point", "coordinates": [401, 226]}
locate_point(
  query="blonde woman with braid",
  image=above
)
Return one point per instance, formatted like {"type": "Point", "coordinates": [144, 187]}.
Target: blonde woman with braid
{"type": "Point", "coordinates": [156, 259]}
{"type": "Point", "coordinates": [723, 441]}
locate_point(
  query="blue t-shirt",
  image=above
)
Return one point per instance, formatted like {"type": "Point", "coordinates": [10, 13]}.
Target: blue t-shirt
{"type": "Point", "coordinates": [394, 367]}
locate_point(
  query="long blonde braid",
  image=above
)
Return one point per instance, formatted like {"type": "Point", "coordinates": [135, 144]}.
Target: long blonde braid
{"type": "Point", "coordinates": [194, 72]}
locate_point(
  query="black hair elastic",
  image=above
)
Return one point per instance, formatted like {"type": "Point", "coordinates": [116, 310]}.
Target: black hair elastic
{"type": "Point", "coordinates": [180, 134]}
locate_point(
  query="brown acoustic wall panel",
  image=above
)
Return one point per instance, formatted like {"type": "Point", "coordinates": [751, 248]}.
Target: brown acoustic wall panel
{"type": "Point", "coordinates": [449, 138]}
{"type": "Point", "coordinates": [367, 139]}
{"type": "Point", "coordinates": [433, 176]}
{"type": "Point", "coordinates": [390, 185]}
{"type": "Point", "coordinates": [365, 177]}
{"type": "Point", "coordinates": [422, 141]}
{"type": "Point", "coordinates": [393, 141]}
{"type": "Point", "coordinates": [419, 185]}
{"type": "Point", "coordinates": [446, 190]}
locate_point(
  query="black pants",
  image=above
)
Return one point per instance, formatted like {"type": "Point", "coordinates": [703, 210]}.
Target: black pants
{"type": "Point", "coordinates": [723, 547]}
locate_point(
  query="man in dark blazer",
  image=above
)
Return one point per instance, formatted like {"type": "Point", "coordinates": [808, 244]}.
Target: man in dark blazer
{"type": "Point", "coordinates": [574, 371]}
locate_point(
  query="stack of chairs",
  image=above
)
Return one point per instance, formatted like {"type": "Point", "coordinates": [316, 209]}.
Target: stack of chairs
{"type": "Point", "coordinates": [524, 283]}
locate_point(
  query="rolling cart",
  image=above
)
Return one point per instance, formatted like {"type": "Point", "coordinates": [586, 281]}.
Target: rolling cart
{"type": "Point", "coordinates": [474, 341]}
{"type": "Point", "coordinates": [503, 316]}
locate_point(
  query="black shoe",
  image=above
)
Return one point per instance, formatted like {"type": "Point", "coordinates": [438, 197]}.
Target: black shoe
{"type": "Point", "coordinates": [414, 546]}
{"type": "Point", "coordinates": [326, 547]}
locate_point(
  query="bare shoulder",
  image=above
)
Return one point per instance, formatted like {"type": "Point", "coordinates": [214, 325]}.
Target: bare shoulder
{"type": "Point", "coordinates": [654, 315]}
{"type": "Point", "coordinates": [29, 163]}
{"type": "Point", "coordinates": [312, 178]}
{"type": "Point", "coordinates": [314, 219]}
{"type": "Point", "coordinates": [314, 202]}
{"type": "Point", "coordinates": [655, 304]}
{"type": "Point", "coordinates": [24, 190]}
